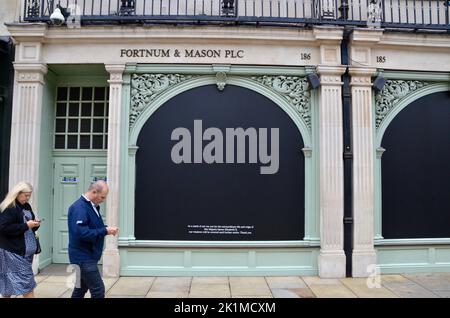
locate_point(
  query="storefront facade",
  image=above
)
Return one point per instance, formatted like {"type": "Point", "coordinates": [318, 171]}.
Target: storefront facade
{"type": "Point", "coordinates": [115, 102]}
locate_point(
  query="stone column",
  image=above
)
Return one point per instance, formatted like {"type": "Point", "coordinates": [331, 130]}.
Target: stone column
{"type": "Point", "coordinates": [363, 171]}
{"type": "Point", "coordinates": [26, 129]}
{"type": "Point", "coordinates": [26, 125]}
{"type": "Point", "coordinates": [111, 257]}
{"type": "Point", "coordinates": [331, 257]}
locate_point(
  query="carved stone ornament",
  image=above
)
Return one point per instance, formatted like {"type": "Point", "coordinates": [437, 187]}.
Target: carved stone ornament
{"type": "Point", "coordinates": [145, 88]}
{"type": "Point", "coordinates": [393, 92]}
{"type": "Point", "coordinates": [221, 78]}
{"type": "Point", "coordinates": [294, 89]}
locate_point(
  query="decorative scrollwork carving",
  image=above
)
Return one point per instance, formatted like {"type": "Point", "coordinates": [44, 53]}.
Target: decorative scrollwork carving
{"type": "Point", "coordinates": [294, 89]}
{"type": "Point", "coordinates": [145, 88]}
{"type": "Point", "coordinates": [391, 94]}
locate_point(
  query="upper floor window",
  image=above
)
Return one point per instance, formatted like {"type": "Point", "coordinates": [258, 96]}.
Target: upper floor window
{"type": "Point", "coordinates": [81, 120]}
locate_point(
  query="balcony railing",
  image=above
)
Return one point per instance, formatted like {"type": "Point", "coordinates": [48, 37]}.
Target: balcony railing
{"type": "Point", "coordinates": [410, 14]}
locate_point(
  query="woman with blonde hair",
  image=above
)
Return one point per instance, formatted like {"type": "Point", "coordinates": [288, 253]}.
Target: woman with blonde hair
{"type": "Point", "coordinates": [17, 242]}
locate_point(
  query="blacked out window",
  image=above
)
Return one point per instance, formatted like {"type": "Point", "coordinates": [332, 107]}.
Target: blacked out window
{"type": "Point", "coordinates": [81, 118]}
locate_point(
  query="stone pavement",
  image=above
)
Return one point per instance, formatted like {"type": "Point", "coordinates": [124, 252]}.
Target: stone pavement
{"type": "Point", "coordinates": [52, 284]}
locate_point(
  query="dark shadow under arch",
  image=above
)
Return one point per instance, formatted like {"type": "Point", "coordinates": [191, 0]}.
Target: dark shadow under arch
{"type": "Point", "coordinates": [416, 170]}
{"type": "Point", "coordinates": [171, 199]}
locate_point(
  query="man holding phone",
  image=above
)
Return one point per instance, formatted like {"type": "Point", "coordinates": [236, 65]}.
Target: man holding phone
{"type": "Point", "coordinates": [86, 239]}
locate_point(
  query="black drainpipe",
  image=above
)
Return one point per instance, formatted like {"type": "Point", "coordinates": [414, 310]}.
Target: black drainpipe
{"type": "Point", "coordinates": [348, 153]}
{"type": "Point", "coordinates": [6, 88]}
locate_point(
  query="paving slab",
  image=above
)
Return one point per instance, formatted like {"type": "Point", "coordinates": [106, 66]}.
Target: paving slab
{"type": "Point", "coordinates": [249, 286]}
{"type": "Point", "coordinates": [285, 282]}
{"type": "Point", "coordinates": [58, 279]}
{"type": "Point", "coordinates": [252, 296]}
{"type": "Point", "coordinates": [405, 288]}
{"type": "Point", "coordinates": [50, 290]}
{"type": "Point", "coordinates": [172, 284]}
{"type": "Point", "coordinates": [361, 289]}
{"type": "Point", "coordinates": [40, 278]}
{"type": "Point", "coordinates": [284, 293]}
{"type": "Point", "coordinates": [166, 294]}
{"type": "Point", "coordinates": [132, 286]}
{"type": "Point", "coordinates": [124, 296]}
{"type": "Point", "coordinates": [442, 293]}
{"type": "Point", "coordinates": [432, 282]}
{"type": "Point", "coordinates": [210, 291]}
{"type": "Point", "coordinates": [316, 280]}
{"type": "Point", "coordinates": [328, 288]}
{"type": "Point", "coordinates": [210, 280]}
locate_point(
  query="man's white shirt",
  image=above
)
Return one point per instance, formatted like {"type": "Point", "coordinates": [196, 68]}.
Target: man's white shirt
{"type": "Point", "coordinates": [93, 205]}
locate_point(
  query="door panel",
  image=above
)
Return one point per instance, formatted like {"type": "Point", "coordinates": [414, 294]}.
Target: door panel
{"type": "Point", "coordinates": [72, 178]}
{"type": "Point", "coordinates": [68, 184]}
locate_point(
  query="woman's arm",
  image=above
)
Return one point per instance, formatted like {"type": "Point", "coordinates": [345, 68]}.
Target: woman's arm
{"type": "Point", "coordinates": [9, 224]}
{"type": "Point", "coordinates": [33, 217]}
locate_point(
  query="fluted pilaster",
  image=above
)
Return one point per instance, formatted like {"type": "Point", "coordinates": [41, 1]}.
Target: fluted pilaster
{"type": "Point", "coordinates": [26, 125]}
{"type": "Point", "coordinates": [363, 171]}
{"type": "Point", "coordinates": [111, 258]}
{"type": "Point", "coordinates": [332, 257]}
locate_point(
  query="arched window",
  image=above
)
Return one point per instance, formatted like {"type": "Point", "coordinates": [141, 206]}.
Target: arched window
{"type": "Point", "coordinates": [416, 170]}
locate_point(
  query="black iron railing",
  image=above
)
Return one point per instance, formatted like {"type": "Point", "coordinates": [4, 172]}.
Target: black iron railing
{"type": "Point", "coordinates": [411, 14]}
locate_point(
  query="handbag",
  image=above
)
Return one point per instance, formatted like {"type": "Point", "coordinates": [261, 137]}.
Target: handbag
{"type": "Point", "coordinates": [38, 245]}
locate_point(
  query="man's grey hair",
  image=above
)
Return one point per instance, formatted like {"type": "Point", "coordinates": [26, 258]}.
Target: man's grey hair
{"type": "Point", "coordinates": [98, 186]}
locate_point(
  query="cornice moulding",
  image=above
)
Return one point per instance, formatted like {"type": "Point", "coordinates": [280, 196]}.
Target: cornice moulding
{"type": "Point", "coordinates": [366, 36]}
{"type": "Point", "coordinates": [362, 71]}
{"type": "Point", "coordinates": [111, 34]}
{"type": "Point", "coordinates": [326, 34]}
{"type": "Point", "coordinates": [415, 40]}
{"type": "Point", "coordinates": [21, 32]}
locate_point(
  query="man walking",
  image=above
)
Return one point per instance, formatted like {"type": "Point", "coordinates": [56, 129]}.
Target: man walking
{"type": "Point", "coordinates": [86, 238]}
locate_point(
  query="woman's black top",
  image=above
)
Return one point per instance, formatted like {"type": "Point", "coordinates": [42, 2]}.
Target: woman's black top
{"type": "Point", "coordinates": [13, 227]}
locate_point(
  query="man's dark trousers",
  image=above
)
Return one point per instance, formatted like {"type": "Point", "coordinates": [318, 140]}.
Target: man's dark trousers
{"type": "Point", "coordinates": [90, 279]}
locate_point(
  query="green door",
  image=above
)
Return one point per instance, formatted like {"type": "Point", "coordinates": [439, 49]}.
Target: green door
{"type": "Point", "coordinates": [72, 177]}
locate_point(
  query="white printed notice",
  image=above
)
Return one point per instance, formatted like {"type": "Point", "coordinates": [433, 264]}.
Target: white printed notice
{"type": "Point", "coordinates": [221, 229]}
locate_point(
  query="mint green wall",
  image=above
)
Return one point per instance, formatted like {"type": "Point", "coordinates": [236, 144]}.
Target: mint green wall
{"type": "Point", "coordinates": [46, 171]}
{"type": "Point", "coordinates": [218, 262]}
{"type": "Point", "coordinates": [175, 258]}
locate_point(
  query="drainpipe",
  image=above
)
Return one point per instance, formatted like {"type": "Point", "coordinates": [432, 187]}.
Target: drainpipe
{"type": "Point", "coordinates": [348, 153]}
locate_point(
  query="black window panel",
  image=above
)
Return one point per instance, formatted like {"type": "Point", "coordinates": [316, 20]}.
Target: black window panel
{"type": "Point", "coordinates": [61, 110]}
{"type": "Point", "coordinates": [73, 126]}
{"type": "Point", "coordinates": [87, 93]}
{"type": "Point", "coordinates": [99, 109]}
{"type": "Point", "coordinates": [60, 141]}
{"type": "Point", "coordinates": [415, 170]}
{"type": "Point", "coordinates": [72, 142]}
{"type": "Point", "coordinates": [106, 126]}
{"type": "Point", "coordinates": [86, 109]}
{"type": "Point", "coordinates": [97, 142]}
{"type": "Point", "coordinates": [60, 125]}
{"type": "Point", "coordinates": [85, 142]}
{"type": "Point", "coordinates": [74, 109]}
{"type": "Point", "coordinates": [74, 93]}
{"type": "Point", "coordinates": [98, 125]}
{"type": "Point", "coordinates": [85, 125]}
{"type": "Point", "coordinates": [107, 93]}
{"type": "Point", "coordinates": [170, 197]}
{"type": "Point", "coordinates": [99, 93]}
{"type": "Point", "coordinates": [61, 93]}
{"type": "Point", "coordinates": [106, 141]}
